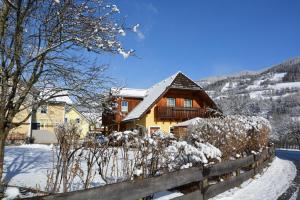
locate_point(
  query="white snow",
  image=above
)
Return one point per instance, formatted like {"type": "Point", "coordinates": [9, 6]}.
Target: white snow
{"type": "Point", "coordinates": [36, 146]}
{"type": "Point", "coordinates": [166, 195]}
{"type": "Point", "coordinates": [256, 85]}
{"type": "Point", "coordinates": [59, 96]}
{"type": "Point", "coordinates": [228, 86]}
{"type": "Point", "coordinates": [277, 76]}
{"type": "Point", "coordinates": [257, 94]}
{"type": "Point", "coordinates": [135, 28]}
{"type": "Point", "coordinates": [114, 8]}
{"type": "Point", "coordinates": [122, 32]}
{"type": "Point", "coordinates": [189, 122]}
{"type": "Point", "coordinates": [11, 193]}
{"type": "Point", "coordinates": [124, 53]}
{"type": "Point", "coordinates": [129, 92]}
{"type": "Point", "coordinates": [279, 86]}
{"type": "Point", "coordinates": [268, 186]}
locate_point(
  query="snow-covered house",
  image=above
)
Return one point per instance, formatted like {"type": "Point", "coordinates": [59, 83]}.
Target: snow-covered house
{"type": "Point", "coordinates": [41, 124]}
{"type": "Point", "coordinates": [162, 106]}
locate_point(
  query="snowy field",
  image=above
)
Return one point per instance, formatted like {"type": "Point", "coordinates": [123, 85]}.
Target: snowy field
{"type": "Point", "coordinates": [27, 166]}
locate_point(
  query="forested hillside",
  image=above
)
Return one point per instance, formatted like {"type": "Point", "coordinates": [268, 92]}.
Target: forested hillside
{"type": "Point", "coordinates": [273, 93]}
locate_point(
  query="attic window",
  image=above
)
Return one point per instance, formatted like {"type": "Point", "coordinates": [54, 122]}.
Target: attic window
{"type": "Point", "coordinates": [124, 106]}
{"type": "Point", "coordinates": [171, 102]}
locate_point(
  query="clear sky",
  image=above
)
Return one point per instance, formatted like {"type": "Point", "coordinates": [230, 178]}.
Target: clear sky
{"type": "Point", "coordinates": [205, 38]}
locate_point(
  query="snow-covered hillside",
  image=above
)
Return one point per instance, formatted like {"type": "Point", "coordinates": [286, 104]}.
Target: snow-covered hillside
{"type": "Point", "coordinates": [273, 93]}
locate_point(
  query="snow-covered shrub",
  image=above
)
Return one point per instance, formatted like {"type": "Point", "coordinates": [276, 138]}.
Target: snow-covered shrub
{"type": "Point", "coordinates": [161, 152]}
{"type": "Point", "coordinates": [234, 135]}
{"type": "Point", "coordinates": [180, 154]}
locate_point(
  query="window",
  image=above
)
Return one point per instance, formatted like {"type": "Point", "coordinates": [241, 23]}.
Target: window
{"type": "Point", "coordinates": [171, 102]}
{"type": "Point", "coordinates": [153, 129]}
{"type": "Point", "coordinates": [171, 129]}
{"type": "Point", "coordinates": [35, 126]}
{"type": "Point", "coordinates": [44, 109]}
{"type": "Point", "coordinates": [188, 103]}
{"type": "Point", "coordinates": [77, 120]}
{"type": "Point", "coordinates": [124, 107]}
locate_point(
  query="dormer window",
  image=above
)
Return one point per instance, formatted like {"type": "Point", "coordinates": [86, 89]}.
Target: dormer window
{"type": "Point", "coordinates": [171, 102]}
{"type": "Point", "coordinates": [124, 106]}
{"type": "Point", "coordinates": [188, 103]}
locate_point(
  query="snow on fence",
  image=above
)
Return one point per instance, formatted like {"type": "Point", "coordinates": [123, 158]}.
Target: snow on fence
{"type": "Point", "coordinates": [195, 182]}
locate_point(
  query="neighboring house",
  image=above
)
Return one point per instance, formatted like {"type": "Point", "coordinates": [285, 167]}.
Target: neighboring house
{"type": "Point", "coordinates": [47, 117]}
{"type": "Point", "coordinates": [162, 106]}
{"type": "Point", "coordinates": [41, 125]}
{"type": "Point", "coordinates": [73, 115]}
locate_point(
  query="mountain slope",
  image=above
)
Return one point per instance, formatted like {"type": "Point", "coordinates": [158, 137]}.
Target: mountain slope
{"type": "Point", "coordinates": [273, 93]}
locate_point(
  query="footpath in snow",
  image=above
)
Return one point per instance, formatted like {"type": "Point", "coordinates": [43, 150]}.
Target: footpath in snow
{"type": "Point", "coordinates": [268, 186]}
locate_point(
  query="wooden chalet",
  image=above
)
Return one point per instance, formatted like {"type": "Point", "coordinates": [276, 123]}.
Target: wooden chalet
{"type": "Point", "coordinates": [162, 106]}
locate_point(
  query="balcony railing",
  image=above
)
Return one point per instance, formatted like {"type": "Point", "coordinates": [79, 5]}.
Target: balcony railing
{"type": "Point", "coordinates": [178, 113]}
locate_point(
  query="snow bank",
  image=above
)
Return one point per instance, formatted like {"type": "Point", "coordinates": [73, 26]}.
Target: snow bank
{"type": "Point", "coordinates": [36, 146]}
{"type": "Point", "coordinates": [268, 186]}
{"type": "Point", "coordinates": [279, 86]}
{"type": "Point", "coordinates": [11, 193]}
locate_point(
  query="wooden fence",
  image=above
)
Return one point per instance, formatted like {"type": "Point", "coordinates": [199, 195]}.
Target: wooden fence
{"type": "Point", "coordinates": [286, 144]}
{"type": "Point", "coordinates": [203, 182]}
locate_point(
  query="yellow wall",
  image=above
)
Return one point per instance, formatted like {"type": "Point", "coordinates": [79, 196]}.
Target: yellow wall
{"type": "Point", "coordinates": [84, 125]}
{"type": "Point", "coordinates": [48, 121]}
{"type": "Point", "coordinates": [148, 121]}
{"type": "Point", "coordinates": [24, 128]}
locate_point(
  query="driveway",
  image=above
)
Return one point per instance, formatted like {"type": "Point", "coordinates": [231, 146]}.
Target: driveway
{"type": "Point", "coordinates": [294, 156]}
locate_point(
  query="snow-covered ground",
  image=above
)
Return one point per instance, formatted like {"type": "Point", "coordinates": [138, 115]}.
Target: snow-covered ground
{"type": "Point", "coordinates": [28, 165]}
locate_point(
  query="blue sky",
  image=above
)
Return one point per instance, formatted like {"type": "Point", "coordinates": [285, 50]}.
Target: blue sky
{"type": "Point", "coordinates": [205, 38]}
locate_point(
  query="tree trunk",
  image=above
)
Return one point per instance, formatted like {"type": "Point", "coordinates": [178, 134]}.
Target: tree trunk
{"type": "Point", "coordinates": [2, 146]}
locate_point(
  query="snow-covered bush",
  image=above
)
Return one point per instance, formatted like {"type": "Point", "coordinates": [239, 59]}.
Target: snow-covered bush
{"type": "Point", "coordinates": [160, 152]}
{"type": "Point", "coordinates": [234, 135]}
{"type": "Point", "coordinates": [180, 154]}
{"type": "Point", "coordinates": [124, 156]}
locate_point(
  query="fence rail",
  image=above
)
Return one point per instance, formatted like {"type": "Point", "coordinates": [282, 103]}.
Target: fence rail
{"type": "Point", "coordinates": [233, 172]}
{"type": "Point", "coordinates": [286, 144]}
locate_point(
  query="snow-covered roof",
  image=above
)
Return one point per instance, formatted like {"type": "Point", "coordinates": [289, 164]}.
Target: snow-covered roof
{"type": "Point", "coordinates": [189, 122]}
{"type": "Point", "coordinates": [58, 97]}
{"type": "Point", "coordinates": [129, 92]}
{"type": "Point", "coordinates": [152, 95]}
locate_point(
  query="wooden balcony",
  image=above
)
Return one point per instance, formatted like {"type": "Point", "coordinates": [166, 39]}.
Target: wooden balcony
{"type": "Point", "coordinates": [178, 113]}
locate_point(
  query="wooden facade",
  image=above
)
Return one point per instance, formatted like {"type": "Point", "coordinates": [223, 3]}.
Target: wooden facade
{"type": "Point", "coordinates": [113, 119]}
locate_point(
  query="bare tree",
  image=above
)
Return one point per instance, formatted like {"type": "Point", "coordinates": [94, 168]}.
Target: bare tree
{"type": "Point", "coordinates": [44, 46]}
